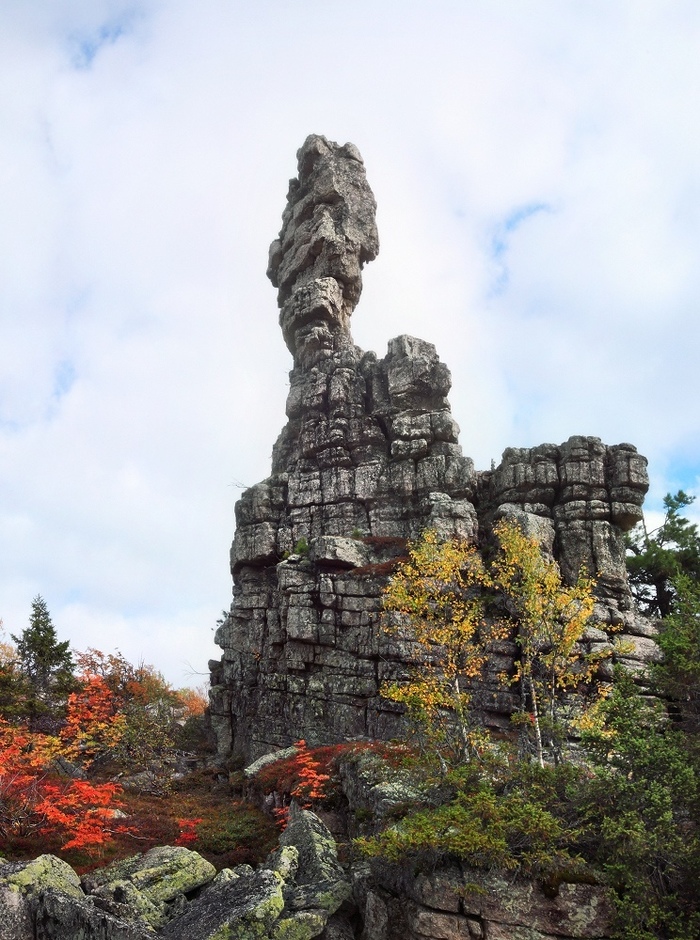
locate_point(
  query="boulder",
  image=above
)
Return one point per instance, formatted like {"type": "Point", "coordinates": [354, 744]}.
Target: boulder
{"type": "Point", "coordinates": [151, 888]}
{"type": "Point", "coordinates": [43, 900]}
{"type": "Point", "coordinates": [63, 917]}
{"type": "Point", "coordinates": [319, 884]}
{"type": "Point", "coordinates": [242, 908]}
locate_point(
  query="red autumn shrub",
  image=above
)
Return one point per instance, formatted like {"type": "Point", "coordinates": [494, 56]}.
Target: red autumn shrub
{"type": "Point", "coordinates": [35, 801]}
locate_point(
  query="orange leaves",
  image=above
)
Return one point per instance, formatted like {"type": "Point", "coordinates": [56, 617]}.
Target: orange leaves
{"type": "Point", "coordinates": [311, 780]}
{"type": "Point", "coordinates": [32, 800]}
{"type": "Point", "coordinates": [127, 711]}
{"type": "Point", "coordinates": [84, 813]}
{"type": "Point", "coordinates": [281, 816]}
{"type": "Point", "coordinates": [193, 701]}
{"type": "Point", "coordinates": [93, 726]}
{"type": "Point", "coordinates": [118, 711]}
{"type": "Point", "coordinates": [305, 777]}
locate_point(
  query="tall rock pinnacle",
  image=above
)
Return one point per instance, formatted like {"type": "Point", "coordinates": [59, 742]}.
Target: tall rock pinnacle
{"type": "Point", "coordinates": [369, 457]}
{"type": "Point", "coordinates": [328, 233]}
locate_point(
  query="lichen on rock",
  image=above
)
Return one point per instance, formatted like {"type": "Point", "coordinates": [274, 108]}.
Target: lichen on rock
{"type": "Point", "coordinates": [319, 882]}
{"type": "Point", "coordinates": [46, 871]}
{"type": "Point", "coordinates": [244, 908]}
{"type": "Point", "coordinates": [151, 887]}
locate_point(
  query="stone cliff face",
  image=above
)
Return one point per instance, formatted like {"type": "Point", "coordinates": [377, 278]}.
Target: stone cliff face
{"type": "Point", "coordinates": [369, 458]}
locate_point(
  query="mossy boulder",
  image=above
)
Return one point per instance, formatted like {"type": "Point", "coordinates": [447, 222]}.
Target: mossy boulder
{"type": "Point", "coordinates": [320, 882]}
{"type": "Point", "coordinates": [43, 872]}
{"type": "Point", "coordinates": [304, 925]}
{"type": "Point", "coordinates": [285, 861]}
{"type": "Point", "coordinates": [22, 885]}
{"type": "Point", "coordinates": [42, 900]}
{"type": "Point", "coordinates": [150, 888]}
{"type": "Point", "coordinates": [242, 908]}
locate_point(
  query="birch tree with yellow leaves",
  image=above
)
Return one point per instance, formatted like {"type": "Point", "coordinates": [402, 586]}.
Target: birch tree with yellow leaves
{"type": "Point", "coordinates": [437, 599]}
{"type": "Point", "coordinates": [448, 601]}
{"type": "Point", "coordinates": [549, 618]}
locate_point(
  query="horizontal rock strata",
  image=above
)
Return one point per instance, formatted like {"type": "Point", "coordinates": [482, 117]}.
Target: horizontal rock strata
{"type": "Point", "coordinates": [465, 904]}
{"type": "Point", "coordinates": [368, 459]}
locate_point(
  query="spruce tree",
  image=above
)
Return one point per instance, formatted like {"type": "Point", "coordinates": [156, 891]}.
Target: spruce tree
{"type": "Point", "coordinates": [45, 663]}
{"type": "Point", "coordinates": [656, 559]}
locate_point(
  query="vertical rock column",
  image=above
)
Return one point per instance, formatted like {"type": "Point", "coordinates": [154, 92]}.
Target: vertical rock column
{"type": "Point", "coordinates": [368, 458]}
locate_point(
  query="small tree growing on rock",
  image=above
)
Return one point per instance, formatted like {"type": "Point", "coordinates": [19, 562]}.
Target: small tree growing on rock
{"type": "Point", "coordinates": [436, 599]}
{"type": "Point", "coordinates": [439, 599]}
{"type": "Point", "coordinates": [549, 618]}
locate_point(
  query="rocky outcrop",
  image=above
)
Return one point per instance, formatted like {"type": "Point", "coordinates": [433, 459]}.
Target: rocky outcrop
{"type": "Point", "coordinates": [301, 892]}
{"type": "Point", "coordinates": [457, 903]}
{"type": "Point", "coordinates": [369, 458]}
{"type": "Point", "coordinates": [152, 888]}
{"type": "Point", "coordinates": [44, 900]}
{"type": "Point", "coordinates": [174, 893]}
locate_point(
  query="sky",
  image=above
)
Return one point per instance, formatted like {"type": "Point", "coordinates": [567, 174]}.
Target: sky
{"type": "Point", "coordinates": [537, 171]}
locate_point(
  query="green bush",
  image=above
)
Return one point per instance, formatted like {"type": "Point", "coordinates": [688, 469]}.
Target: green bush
{"type": "Point", "coordinates": [641, 810]}
{"type": "Point", "coordinates": [512, 823]}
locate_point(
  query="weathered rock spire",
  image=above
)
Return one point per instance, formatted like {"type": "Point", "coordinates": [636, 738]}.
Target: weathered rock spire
{"type": "Point", "coordinates": [328, 233]}
{"type": "Point", "coordinates": [368, 458]}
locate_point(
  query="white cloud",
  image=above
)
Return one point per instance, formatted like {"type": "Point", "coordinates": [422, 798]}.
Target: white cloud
{"type": "Point", "coordinates": [145, 151]}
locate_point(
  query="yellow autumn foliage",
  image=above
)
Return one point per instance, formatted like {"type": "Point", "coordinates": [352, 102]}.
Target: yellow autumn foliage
{"type": "Point", "coordinates": [438, 599]}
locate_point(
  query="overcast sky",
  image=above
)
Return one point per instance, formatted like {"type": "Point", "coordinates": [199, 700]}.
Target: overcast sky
{"type": "Point", "coordinates": [537, 170]}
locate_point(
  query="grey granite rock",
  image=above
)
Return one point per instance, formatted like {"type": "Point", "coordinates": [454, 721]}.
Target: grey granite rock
{"type": "Point", "coordinates": [43, 900]}
{"type": "Point", "coordinates": [368, 458]}
{"type": "Point", "coordinates": [62, 917]}
{"type": "Point", "coordinates": [244, 908]}
{"type": "Point", "coordinates": [454, 903]}
{"type": "Point", "coordinates": [319, 882]}
{"type": "Point", "coordinates": [328, 233]}
{"type": "Point", "coordinates": [149, 889]}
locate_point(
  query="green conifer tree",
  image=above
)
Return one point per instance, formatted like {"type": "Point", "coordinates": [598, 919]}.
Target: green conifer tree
{"type": "Point", "coordinates": [45, 663]}
{"type": "Point", "coordinates": [656, 558]}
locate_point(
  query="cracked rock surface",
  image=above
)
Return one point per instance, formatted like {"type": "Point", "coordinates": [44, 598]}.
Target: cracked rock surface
{"type": "Point", "coordinates": [368, 458]}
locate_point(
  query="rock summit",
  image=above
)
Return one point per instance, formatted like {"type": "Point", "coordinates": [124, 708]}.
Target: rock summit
{"type": "Point", "coordinates": [368, 459]}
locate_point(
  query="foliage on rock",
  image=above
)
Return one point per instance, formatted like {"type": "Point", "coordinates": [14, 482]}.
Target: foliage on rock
{"type": "Point", "coordinates": [440, 598]}
{"type": "Point", "coordinates": [678, 674]}
{"type": "Point", "coordinates": [549, 618]}
{"type": "Point", "coordinates": [641, 810]}
{"type": "Point", "coordinates": [436, 599]}
{"type": "Point", "coordinates": [656, 558]}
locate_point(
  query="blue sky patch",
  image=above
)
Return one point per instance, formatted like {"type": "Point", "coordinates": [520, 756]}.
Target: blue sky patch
{"type": "Point", "coordinates": [64, 378]}
{"type": "Point", "coordinates": [86, 46]}
{"type": "Point", "coordinates": [500, 240]}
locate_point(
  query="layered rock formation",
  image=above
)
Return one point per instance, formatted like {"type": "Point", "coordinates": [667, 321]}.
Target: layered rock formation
{"type": "Point", "coordinates": [466, 904]}
{"type": "Point", "coordinates": [369, 458]}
